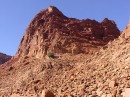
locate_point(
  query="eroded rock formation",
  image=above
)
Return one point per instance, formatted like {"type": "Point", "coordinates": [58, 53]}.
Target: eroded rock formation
{"type": "Point", "coordinates": [50, 30]}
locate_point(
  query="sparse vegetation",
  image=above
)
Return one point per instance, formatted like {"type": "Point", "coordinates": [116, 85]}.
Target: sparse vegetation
{"type": "Point", "coordinates": [50, 54]}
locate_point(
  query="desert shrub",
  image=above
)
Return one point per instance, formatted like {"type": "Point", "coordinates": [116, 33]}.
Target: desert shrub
{"type": "Point", "coordinates": [50, 54]}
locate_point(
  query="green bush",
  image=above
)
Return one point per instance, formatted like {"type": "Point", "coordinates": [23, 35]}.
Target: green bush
{"type": "Point", "coordinates": [50, 54]}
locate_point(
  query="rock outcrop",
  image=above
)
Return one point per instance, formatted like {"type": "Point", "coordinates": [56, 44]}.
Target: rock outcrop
{"type": "Point", "coordinates": [126, 31]}
{"type": "Point", "coordinates": [4, 58]}
{"type": "Point", "coordinates": [50, 30]}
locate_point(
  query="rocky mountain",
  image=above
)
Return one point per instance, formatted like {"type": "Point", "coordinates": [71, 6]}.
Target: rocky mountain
{"type": "Point", "coordinates": [4, 58]}
{"type": "Point", "coordinates": [50, 30]}
{"type": "Point", "coordinates": [94, 59]}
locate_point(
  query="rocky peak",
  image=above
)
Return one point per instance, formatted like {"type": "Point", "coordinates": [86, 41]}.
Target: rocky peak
{"type": "Point", "coordinates": [106, 21]}
{"type": "Point", "coordinates": [4, 58]}
{"type": "Point", "coordinates": [51, 30]}
{"type": "Point", "coordinates": [53, 9]}
{"type": "Point", "coordinates": [126, 31]}
{"type": "Point", "coordinates": [109, 27]}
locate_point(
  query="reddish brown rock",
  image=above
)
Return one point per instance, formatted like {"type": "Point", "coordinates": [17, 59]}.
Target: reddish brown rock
{"type": "Point", "coordinates": [4, 58]}
{"type": "Point", "coordinates": [50, 30]}
{"type": "Point", "coordinates": [47, 93]}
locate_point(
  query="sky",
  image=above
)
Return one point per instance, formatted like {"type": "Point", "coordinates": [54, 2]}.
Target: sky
{"type": "Point", "coordinates": [15, 16]}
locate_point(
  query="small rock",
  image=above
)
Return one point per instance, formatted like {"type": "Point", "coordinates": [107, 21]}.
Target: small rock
{"type": "Point", "coordinates": [99, 93]}
{"type": "Point", "coordinates": [114, 92]}
{"type": "Point", "coordinates": [47, 93]}
{"type": "Point", "coordinates": [112, 84]}
{"type": "Point", "coordinates": [119, 91]}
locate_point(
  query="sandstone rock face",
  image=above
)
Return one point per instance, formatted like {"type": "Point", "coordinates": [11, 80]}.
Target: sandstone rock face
{"type": "Point", "coordinates": [50, 30]}
{"type": "Point", "coordinates": [4, 58]}
{"type": "Point", "coordinates": [126, 31]}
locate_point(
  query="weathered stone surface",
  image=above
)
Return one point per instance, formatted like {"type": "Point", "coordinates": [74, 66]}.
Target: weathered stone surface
{"type": "Point", "coordinates": [126, 31]}
{"type": "Point", "coordinates": [112, 84]}
{"type": "Point", "coordinates": [4, 58]}
{"type": "Point", "coordinates": [47, 93]}
{"type": "Point", "coordinates": [50, 30]}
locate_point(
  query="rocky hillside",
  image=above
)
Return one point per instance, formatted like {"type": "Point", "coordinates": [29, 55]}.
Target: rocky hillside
{"type": "Point", "coordinates": [4, 58]}
{"type": "Point", "coordinates": [93, 62]}
{"type": "Point", "coordinates": [51, 31]}
{"type": "Point", "coordinates": [102, 74]}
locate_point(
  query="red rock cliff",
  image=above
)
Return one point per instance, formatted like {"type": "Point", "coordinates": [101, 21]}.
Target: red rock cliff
{"type": "Point", "coordinates": [50, 30]}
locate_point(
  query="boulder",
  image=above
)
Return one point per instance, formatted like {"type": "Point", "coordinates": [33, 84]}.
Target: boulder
{"type": "Point", "coordinates": [47, 93]}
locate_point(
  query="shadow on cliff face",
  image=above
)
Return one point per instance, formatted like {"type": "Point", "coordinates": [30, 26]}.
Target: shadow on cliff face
{"type": "Point", "coordinates": [4, 58]}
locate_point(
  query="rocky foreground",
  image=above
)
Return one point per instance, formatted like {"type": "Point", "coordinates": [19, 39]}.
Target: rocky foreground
{"type": "Point", "coordinates": [101, 71]}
